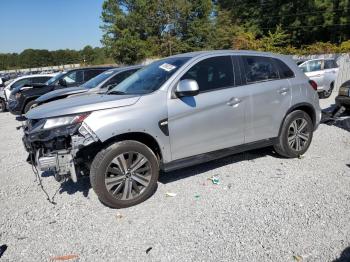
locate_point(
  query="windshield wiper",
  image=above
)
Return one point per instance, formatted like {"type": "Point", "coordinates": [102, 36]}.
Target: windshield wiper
{"type": "Point", "coordinates": [116, 93]}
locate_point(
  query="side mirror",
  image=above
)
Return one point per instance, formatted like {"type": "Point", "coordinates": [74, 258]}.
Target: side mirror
{"type": "Point", "coordinates": [62, 82]}
{"type": "Point", "coordinates": [187, 87]}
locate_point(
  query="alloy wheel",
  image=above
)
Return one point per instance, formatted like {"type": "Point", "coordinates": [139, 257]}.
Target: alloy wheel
{"type": "Point", "coordinates": [298, 134]}
{"type": "Point", "coordinates": [128, 175]}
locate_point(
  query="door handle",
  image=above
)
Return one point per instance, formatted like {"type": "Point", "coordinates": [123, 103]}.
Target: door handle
{"type": "Point", "coordinates": [283, 90]}
{"type": "Point", "coordinates": [234, 102]}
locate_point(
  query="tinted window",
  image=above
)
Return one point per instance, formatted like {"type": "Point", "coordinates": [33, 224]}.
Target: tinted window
{"type": "Point", "coordinates": [283, 69]}
{"type": "Point", "coordinates": [328, 64]}
{"type": "Point", "coordinates": [212, 73]}
{"type": "Point", "coordinates": [92, 73]}
{"type": "Point", "coordinates": [40, 79]}
{"type": "Point", "coordinates": [259, 68]}
{"type": "Point", "coordinates": [118, 78]}
{"type": "Point", "coordinates": [74, 77]}
{"type": "Point", "coordinates": [151, 77]}
{"type": "Point", "coordinates": [54, 79]}
{"type": "Point", "coordinates": [21, 83]}
{"type": "Point", "coordinates": [311, 66]}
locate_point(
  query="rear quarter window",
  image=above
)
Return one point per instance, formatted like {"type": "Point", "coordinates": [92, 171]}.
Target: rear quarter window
{"type": "Point", "coordinates": [283, 69]}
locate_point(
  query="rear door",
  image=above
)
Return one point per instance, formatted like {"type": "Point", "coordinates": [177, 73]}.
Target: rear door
{"type": "Point", "coordinates": [214, 119]}
{"type": "Point", "coordinates": [268, 97]}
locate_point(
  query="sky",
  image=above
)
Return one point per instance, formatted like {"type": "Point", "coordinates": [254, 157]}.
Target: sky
{"type": "Point", "coordinates": [49, 24]}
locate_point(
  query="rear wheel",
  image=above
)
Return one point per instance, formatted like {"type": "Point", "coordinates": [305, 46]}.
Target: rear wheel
{"type": "Point", "coordinates": [2, 105]}
{"type": "Point", "coordinates": [296, 135]}
{"type": "Point", "coordinates": [124, 174]}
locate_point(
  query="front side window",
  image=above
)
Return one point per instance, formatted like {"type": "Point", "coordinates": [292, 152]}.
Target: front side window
{"type": "Point", "coordinates": [259, 69]}
{"type": "Point", "coordinates": [89, 74]}
{"type": "Point", "coordinates": [150, 78]}
{"type": "Point", "coordinates": [212, 73]}
{"type": "Point", "coordinates": [118, 78]}
{"type": "Point", "coordinates": [311, 66]}
{"type": "Point", "coordinates": [52, 80]}
{"type": "Point", "coordinates": [93, 82]}
{"type": "Point", "coordinates": [74, 77]}
{"type": "Point", "coordinates": [21, 83]}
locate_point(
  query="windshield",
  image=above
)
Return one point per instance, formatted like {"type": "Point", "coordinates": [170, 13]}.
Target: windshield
{"type": "Point", "coordinates": [93, 82]}
{"type": "Point", "coordinates": [150, 78]}
{"type": "Point", "coordinates": [53, 79]}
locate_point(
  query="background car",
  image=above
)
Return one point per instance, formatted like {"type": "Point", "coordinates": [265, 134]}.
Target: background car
{"type": "Point", "coordinates": [99, 84]}
{"type": "Point", "coordinates": [19, 83]}
{"type": "Point", "coordinates": [21, 100]}
{"type": "Point", "coordinates": [324, 72]}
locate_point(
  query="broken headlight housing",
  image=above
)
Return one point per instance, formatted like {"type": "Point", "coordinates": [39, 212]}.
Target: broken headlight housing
{"type": "Point", "coordinates": [64, 121]}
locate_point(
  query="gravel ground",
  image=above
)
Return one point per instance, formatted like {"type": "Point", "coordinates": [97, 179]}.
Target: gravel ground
{"type": "Point", "coordinates": [264, 209]}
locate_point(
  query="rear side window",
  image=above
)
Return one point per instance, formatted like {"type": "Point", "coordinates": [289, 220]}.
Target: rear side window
{"type": "Point", "coordinates": [212, 73]}
{"type": "Point", "coordinates": [258, 68]}
{"type": "Point", "coordinates": [92, 73]}
{"type": "Point", "coordinates": [283, 69]}
{"type": "Point", "coordinates": [40, 80]}
{"type": "Point", "coordinates": [328, 64]}
{"type": "Point", "coordinates": [311, 66]}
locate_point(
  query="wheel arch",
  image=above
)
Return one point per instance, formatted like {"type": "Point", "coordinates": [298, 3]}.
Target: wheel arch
{"type": "Point", "coordinates": [306, 107]}
{"type": "Point", "coordinates": [141, 137]}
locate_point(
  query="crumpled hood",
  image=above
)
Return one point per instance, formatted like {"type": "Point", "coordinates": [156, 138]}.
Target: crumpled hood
{"type": "Point", "coordinates": [60, 93]}
{"type": "Point", "coordinates": [81, 104]}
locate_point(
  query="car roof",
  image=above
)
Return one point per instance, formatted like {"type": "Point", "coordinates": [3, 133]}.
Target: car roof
{"type": "Point", "coordinates": [36, 75]}
{"type": "Point", "coordinates": [119, 69]}
{"type": "Point", "coordinates": [228, 52]}
{"type": "Point", "coordinates": [91, 67]}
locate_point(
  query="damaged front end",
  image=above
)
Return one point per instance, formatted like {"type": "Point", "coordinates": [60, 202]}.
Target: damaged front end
{"type": "Point", "coordinates": [63, 145]}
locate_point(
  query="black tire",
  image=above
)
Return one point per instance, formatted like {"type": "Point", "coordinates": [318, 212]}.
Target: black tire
{"type": "Point", "coordinates": [329, 93]}
{"type": "Point", "coordinates": [2, 105]}
{"type": "Point", "coordinates": [29, 106]}
{"type": "Point", "coordinates": [107, 157]}
{"type": "Point", "coordinates": [283, 147]}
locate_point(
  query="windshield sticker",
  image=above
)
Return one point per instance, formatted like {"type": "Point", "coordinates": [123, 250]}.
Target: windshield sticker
{"type": "Point", "coordinates": [108, 72]}
{"type": "Point", "coordinates": [167, 67]}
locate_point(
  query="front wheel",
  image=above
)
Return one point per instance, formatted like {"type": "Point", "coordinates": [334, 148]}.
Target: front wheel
{"type": "Point", "coordinates": [30, 105]}
{"type": "Point", "coordinates": [124, 174]}
{"type": "Point", "coordinates": [296, 135]}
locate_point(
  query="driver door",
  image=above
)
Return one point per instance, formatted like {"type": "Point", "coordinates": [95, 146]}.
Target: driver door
{"type": "Point", "coordinates": [212, 120]}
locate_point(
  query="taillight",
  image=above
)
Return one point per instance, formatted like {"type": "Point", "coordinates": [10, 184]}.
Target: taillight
{"type": "Point", "coordinates": [313, 84]}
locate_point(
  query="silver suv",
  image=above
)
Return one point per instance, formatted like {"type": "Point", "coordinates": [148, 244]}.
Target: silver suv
{"type": "Point", "coordinates": [179, 111]}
